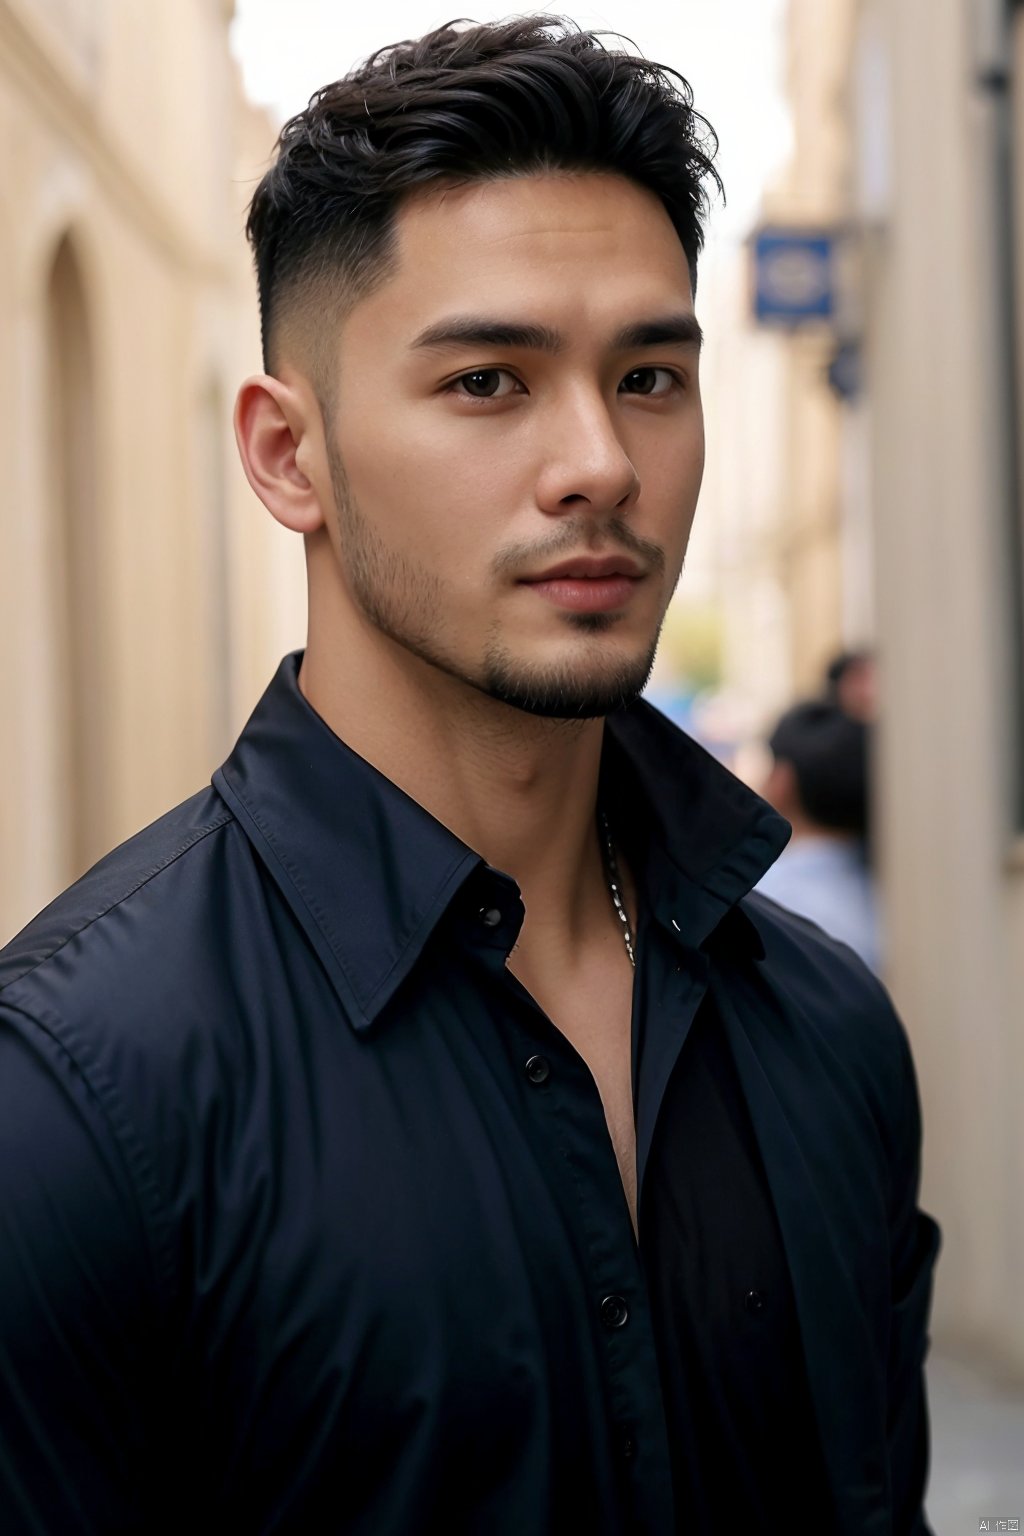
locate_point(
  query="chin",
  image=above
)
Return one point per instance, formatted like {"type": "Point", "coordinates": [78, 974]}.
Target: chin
{"type": "Point", "coordinates": [567, 690]}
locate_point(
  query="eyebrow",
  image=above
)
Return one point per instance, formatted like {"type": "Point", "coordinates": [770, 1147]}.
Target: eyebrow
{"type": "Point", "coordinates": [478, 330]}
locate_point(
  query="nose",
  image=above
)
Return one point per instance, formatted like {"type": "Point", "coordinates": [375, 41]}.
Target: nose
{"type": "Point", "coordinates": [586, 465]}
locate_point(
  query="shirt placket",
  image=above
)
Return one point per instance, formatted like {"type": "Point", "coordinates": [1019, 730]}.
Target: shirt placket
{"type": "Point", "coordinates": [563, 1101]}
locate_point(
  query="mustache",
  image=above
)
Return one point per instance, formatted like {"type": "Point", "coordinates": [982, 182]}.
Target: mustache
{"type": "Point", "coordinates": [579, 536]}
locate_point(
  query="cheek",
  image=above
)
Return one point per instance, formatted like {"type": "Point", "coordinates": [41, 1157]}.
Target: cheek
{"type": "Point", "coordinates": [691, 467]}
{"type": "Point", "coordinates": [431, 504]}
{"type": "Point", "coordinates": [410, 451]}
{"type": "Point", "coordinates": [692, 444]}
{"type": "Point", "coordinates": [425, 466]}
{"type": "Point", "coordinates": [673, 477]}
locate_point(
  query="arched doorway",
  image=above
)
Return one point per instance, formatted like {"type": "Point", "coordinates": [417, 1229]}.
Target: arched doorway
{"type": "Point", "coordinates": [212, 503]}
{"type": "Point", "coordinates": [76, 559]}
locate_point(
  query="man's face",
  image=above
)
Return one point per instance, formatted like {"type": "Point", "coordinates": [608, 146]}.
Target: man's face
{"type": "Point", "coordinates": [516, 440]}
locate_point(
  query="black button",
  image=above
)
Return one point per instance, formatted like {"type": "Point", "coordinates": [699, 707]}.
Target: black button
{"type": "Point", "coordinates": [755, 1302]}
{"type": "Point", "coordinates": [538, 1069]}
{"type": "Point", "coordinates": [490, 917]}
{"type": "Point", "coordinates": [627, 1447]}
{"type": "Point", "coordinates": [614, 1312]}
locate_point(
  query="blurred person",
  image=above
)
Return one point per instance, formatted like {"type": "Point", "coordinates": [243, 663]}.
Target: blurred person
{"type": "Point", "coordinates": [819, 782]}
{"type": "Point", "coordinates": [421, 1130]}
{"type": "Point", "coordinates": [851, 681]}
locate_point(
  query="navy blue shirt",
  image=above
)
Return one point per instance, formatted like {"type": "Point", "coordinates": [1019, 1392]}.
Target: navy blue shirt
{"type": "Point", "coordinates": [311, 1221]}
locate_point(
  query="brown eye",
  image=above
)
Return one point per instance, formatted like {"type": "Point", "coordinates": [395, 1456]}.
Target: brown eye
{"type": "Point", "coordinates": [485, 383]}
{"type": "Point", "coordinates": [646, 381]}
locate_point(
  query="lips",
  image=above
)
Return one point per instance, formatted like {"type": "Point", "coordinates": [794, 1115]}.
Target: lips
{"type": "Point", "coordinates": [590, 568]}
{"type": "Point", "coordinates": [588, 584]}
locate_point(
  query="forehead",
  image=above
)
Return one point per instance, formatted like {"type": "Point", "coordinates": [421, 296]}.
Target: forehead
{"type": "Point", "coordinates": [589, 249]}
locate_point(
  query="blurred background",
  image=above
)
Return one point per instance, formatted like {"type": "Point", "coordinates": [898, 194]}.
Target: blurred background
{"type": "Point", "coordinates": [862, 298]}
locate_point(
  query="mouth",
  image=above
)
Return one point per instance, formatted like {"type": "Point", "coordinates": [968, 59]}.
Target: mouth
{"type": "Point", "coordinates": [590, 568]}
{"type": "Point", "coordinates": [588, 584]}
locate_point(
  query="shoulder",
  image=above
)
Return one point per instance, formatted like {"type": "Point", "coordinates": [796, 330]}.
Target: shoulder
{"type": "Point", "coordinates": [129, 896]}
{"type": "Point", "coordinates": [126, 996]}
{"type": "Point", "coordinates": [814, 969]}
{"type": "Point", "coordinates": [830, 996]}
{"type": "Point", "coordinates": [94, 993]}
{"type": "Point", "coordinates": [127, 963]}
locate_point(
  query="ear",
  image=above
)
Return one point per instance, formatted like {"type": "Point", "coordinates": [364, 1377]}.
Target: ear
{"type": "Point", "coordinates": [275, 424]}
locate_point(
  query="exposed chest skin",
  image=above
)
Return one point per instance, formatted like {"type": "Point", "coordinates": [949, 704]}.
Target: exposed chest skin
{"type": "Point", "coordinates": [593, 1007]}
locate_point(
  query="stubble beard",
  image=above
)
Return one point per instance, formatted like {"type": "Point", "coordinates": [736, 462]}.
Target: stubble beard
{"type": "Point", "coordinates": [407, 605]}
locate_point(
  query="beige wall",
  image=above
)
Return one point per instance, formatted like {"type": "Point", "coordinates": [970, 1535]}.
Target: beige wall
{"type": "Point", "coordinates": [791, 535]}
{"type": "Point", "coordinates": [888, 521]}
{"type": "Point", "coordinates": [936, 325]}
{"type": "Point", "coordinates": [745, 385]}
{"type": "Point", "coordinates": [814, 533]}
{"type": "Point", "coordinates": [912, 497]}
{"type": "Point", "coordinates": [144, 593]}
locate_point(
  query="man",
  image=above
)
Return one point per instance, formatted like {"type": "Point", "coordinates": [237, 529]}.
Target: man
{"type": "Point", "coordinates": [819, 782]}
{"type": "Point", "coordinates": [420, 1131]}
{"type": "Point", "coordinates": [851, 681]}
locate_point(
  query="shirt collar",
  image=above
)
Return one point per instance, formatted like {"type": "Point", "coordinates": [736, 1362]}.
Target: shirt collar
{"type": "Point", "coordinates": [368, 873]}
{"type": "Point", "coordinates": [705, 839]}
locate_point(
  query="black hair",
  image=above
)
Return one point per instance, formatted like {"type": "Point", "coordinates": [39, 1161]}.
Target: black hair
{"type": "Point", "coordinates": [828, 752]}
{"type": "Point", "coordinates": [838, 667]}
{"type": "Point", "coordinates": [466, 102]}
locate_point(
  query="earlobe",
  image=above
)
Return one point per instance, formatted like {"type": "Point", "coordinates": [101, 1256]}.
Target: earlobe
{"type": "Point", "coordinates": [271, 422]}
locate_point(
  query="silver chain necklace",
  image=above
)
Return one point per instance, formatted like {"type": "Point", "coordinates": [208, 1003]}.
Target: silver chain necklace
{"type": "Point", "coordinates": [611, 871]}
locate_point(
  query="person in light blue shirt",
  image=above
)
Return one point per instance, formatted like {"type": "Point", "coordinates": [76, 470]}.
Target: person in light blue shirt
{"type": "Point", "coordinates": [819, 782]}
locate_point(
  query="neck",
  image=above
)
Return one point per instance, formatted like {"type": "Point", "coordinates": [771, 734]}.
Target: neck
{"type": "Point", "coordinates": [520, 790]}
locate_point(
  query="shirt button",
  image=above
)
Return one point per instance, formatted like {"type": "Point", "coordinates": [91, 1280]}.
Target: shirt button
{"type": "Point", "coordinates": [614, 1312]}
{"type": "Point", "coordinates": [490, 917]}
{"type": "Point", "coordinates": [627, 1447]}
{"type": "Point", "coordinates": [754, 1302]}
{"type": "Point", "coordinates": [538, 1069]}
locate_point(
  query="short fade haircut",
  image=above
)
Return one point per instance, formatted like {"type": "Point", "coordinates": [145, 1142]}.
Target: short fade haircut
{"type": "Point", "coordinates": [828, 752]}
{"type": "Point", "coordinates": [464, 103]}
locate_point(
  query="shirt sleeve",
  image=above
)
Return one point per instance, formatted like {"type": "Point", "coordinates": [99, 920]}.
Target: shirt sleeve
{"type": "Point", "coordinates": [915, 1246]}
{"type": "Point", "coordinates": [77, 1305]}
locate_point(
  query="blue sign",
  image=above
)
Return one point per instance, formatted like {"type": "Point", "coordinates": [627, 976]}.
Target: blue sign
{"type": "Point", "coordinates": [794, 276]}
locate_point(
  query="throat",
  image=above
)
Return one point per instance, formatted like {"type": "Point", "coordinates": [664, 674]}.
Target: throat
{"type": "Point", "coordinates": [586, 991]}
{"type": "Point", "coordinates": [591, 1004]}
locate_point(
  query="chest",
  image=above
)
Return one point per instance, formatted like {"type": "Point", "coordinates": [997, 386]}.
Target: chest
{"type": "Point", "coordinates": [593, 1010]}
{"type": "Point", "coordinates": [410, 1242]}
{"type": "Point", "coordinates": [416, 1259]}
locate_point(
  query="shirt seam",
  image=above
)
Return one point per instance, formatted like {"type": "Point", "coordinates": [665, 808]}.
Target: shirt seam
{"type": "Point", "coordinates": [141, 1175]}
{"type": "Point", "coordinates": [144, 879]}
